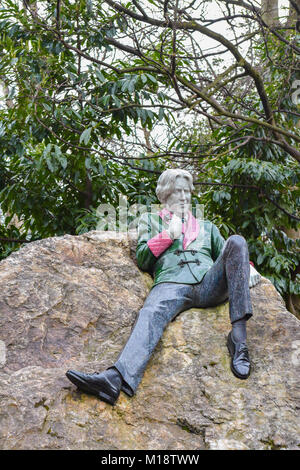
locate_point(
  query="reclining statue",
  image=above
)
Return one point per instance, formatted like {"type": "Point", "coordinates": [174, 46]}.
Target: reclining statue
{"type": "Point", "coordinates": [192, 266]}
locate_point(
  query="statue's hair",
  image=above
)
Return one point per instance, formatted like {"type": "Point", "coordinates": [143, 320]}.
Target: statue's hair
{"type": "Point", "coordinates": [166, 181]}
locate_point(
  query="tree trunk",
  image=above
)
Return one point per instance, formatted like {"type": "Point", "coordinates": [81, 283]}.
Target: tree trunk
{"type": "Point", "coordinates": [270, 12]}
{"type": "Point", "coordinates": [293, 301]}
{"type": "Point", "coordinates": [294, 13]}
{"type": "Point", "coordinates": [88, 191]}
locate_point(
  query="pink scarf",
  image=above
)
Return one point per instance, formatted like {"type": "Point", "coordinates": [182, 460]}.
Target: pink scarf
{"type": "Point", "coordinates": [190, 229]}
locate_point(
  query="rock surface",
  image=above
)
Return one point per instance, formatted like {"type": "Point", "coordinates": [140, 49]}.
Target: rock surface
{"type": "Point", "coordinates": [70, 302]}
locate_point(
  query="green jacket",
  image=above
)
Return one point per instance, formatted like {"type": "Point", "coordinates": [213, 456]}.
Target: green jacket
{"type": "Point", "coordinates": [185, 260]}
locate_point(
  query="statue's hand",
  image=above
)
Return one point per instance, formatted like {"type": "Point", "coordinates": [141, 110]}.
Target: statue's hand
{"type": "Point", "coordinates": [254, 276]}
{"type": "Point", "coordinates": [175, 227]}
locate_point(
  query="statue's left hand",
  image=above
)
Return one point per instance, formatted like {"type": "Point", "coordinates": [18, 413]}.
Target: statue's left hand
{"type": "Point", "coordinates": [254, 276]}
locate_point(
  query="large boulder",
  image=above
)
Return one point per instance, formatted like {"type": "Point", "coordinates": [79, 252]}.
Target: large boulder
{"type": "Point", "coordinates": [70, 302]}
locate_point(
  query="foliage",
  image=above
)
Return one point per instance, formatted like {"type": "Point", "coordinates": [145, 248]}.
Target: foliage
{"type": "Point", "coordinates": [249, 205]}
{"type": "Point", "coordinates": [252, 187]}
{"type": "Point", "coordinates": [57, 126]}
{"type": "Point", "coordinates": [91, 106]}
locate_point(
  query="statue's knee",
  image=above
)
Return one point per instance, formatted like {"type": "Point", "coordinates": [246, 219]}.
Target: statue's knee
{"type": "Point", "coordinates": [151, 313]}
{"type": "Point", "coordinates": [237, 241]}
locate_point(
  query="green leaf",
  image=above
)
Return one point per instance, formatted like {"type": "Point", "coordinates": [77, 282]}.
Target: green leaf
{"type": "Point", "coordinates": [100, 75]}
{"type": "Point", "coordinates": [260, 259]}
{"type": "Point", "coordinates": [86, 135]}
{"type": "Point", "coordinates": [57, 150]}
{"type": "Point", "coordinates": [50, 164]}
{"type": "Point", "coordinates": [88, 163]}
{"type": "Point", "coordinates": [64, 162]}
{"type": "Point", "coordinates": [153, 79]}
{"type": "Point", "coordinates": [47, 107]}
{"type": "Point", "coordinates": [47, 150]}
{"type": "Point", "coordinates": [161, 114]}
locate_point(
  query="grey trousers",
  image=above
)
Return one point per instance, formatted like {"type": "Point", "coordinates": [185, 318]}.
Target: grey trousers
{"type": "Point", "coordinates": [228, 278]}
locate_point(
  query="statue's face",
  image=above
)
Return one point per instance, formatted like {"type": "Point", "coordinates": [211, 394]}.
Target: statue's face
{"type": "Point", "coordinates": [179, 200]}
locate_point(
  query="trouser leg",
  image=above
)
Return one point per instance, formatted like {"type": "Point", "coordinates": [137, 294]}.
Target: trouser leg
{"type": "Point", "coordinates": [228, 278]}
{"type": "Point", "coordinates": [163, 303]}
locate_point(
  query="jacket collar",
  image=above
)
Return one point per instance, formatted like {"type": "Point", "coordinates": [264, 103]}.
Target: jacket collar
{"type": "Point", "coordinates": [190, 228]}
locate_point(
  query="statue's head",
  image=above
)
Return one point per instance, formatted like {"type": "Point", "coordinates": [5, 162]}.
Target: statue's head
{"type": "Point", "coordinates": [174, 190]}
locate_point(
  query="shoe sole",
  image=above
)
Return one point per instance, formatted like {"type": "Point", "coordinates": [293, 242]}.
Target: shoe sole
{"type": "Point", "coordinates": [81, 384]}
{"type": "Point", "coordinates": [231, 348]}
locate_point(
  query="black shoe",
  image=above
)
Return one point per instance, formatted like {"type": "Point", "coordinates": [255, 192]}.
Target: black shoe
{"type": "Point", "coordinates": [105, 385]}
{"type": "Point", "coordinates": [240, 362]}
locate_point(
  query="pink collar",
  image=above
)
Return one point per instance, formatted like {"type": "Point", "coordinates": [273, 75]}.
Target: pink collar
{"type": "Point", "coordinates": [190, 229]}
